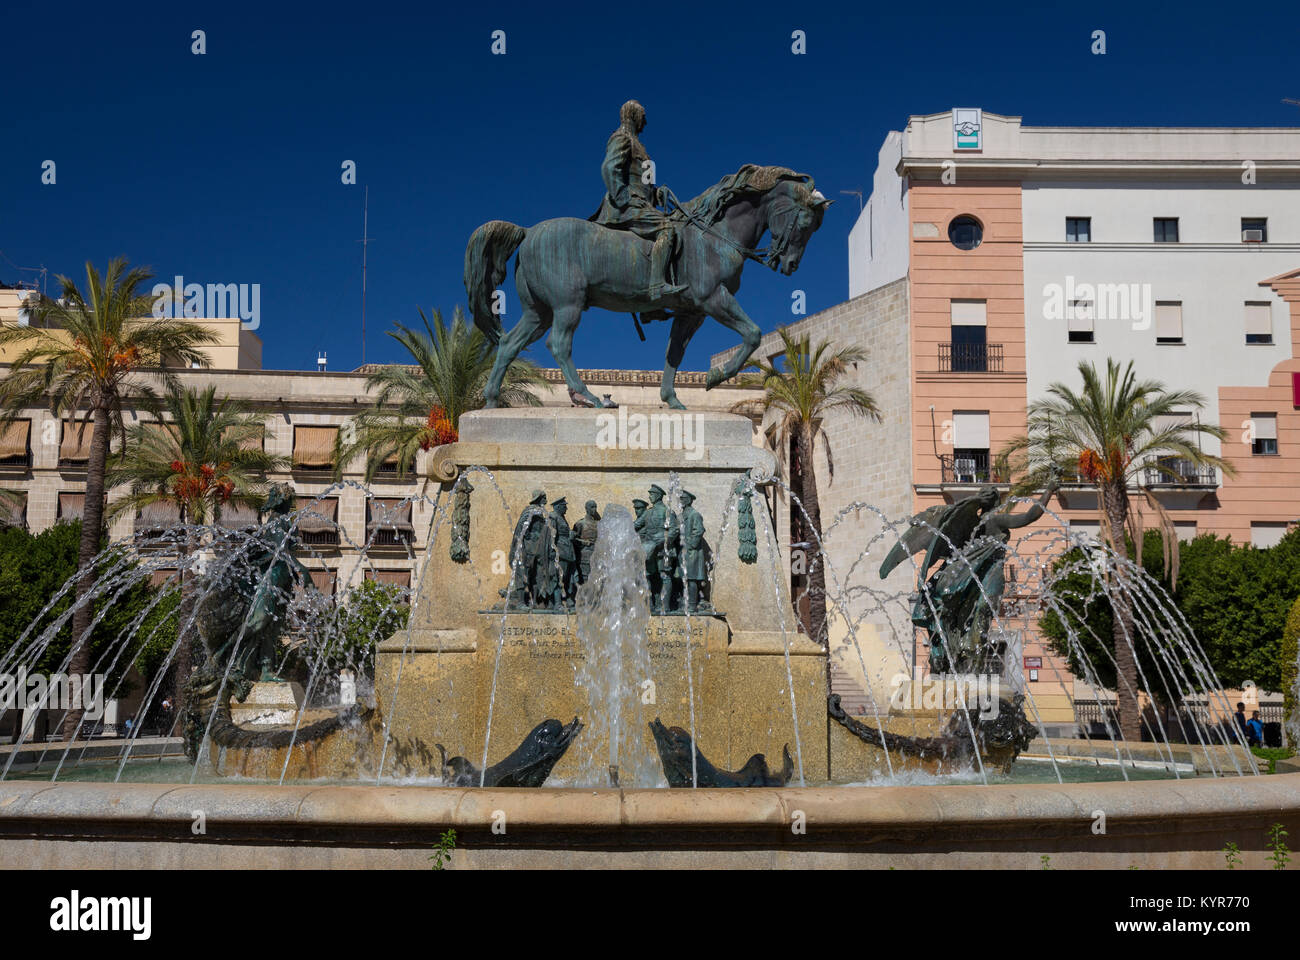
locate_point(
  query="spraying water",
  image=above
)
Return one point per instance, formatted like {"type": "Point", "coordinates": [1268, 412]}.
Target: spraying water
{"type": "Point", "coordinates": [613, 617]}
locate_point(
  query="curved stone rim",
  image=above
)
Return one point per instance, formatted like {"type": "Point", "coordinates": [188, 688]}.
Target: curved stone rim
{"type": "Point", "coordinates": [60, 807]}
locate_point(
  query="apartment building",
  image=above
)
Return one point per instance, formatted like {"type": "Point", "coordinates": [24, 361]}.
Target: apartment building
{"type": "Point", "coordinates": [1016, 252]}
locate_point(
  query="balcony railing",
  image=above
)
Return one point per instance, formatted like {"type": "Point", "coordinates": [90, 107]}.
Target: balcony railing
{"type": "Point", "coordinates": [974, 468]}
{"type": "Point", "coordinates": [970, 358]}
{"type": "Point", "coordinates": [1180, 473]}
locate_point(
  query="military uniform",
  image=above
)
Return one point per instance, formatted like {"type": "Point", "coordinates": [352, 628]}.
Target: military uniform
{"type": "Point", "coordinates": [566, 567]}
{"type": "Point", "coordinates": [584, 540]}
{"type": "Point", "coordinates": [629, 201]}
{"type": "Point", "coordinates": [526, 547]}
{"type": "Point", "coordinates": [694, 552]}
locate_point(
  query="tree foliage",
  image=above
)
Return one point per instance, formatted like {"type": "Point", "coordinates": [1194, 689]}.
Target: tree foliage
{"type": "Point", "coordinates": [33, 568]}
{"type": "Point", "coordinates": [1236, 600]}
{"type": "Point", "coordinates": [371, 613]}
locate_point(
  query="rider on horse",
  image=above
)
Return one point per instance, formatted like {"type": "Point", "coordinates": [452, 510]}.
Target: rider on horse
{"type": "Point", "coordinates": [630, 199]}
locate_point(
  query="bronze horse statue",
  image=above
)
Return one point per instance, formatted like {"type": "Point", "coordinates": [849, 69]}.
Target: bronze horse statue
{"type": "Point", "coordinates": [566, 265]}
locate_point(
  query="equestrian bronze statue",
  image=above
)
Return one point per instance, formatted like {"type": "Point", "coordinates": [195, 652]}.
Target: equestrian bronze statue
{"type": "Point", "coordinates": [683, 261]}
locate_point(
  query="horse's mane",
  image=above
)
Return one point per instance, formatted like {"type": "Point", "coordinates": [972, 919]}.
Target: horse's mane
{"type": "Point", "coordinates": [749, 180]}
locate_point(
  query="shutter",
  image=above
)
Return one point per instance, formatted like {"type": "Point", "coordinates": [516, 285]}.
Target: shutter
{"type": "Point", "coordinates": [13, 438]}
{"type": "Point", "coordinates": [319, 516]}
{"type": "Point", "coordinates": [237, 515]}
{"type": "Point", "coordinates": [323, 581]}
{"type": "Point", "coordinates": [13, 508]}
{"type": "Point", "coordinates": [969, 313]}
{"type": "Point", "coordinates": [314, 446]}
{"type": "Point", "coordinates": [970, 430]}
{"type": "Point", "coordinates": [71, 506]}
{"type": "Point", "coordinates": [1264, 535]}
{"type": "Point", "coordinates": [1265, 425]}
{"type": "Point", "coordinates": [72, 449]}
{"type": "Point", "coordinates": [390, 514]}
{"type": "Point", "coordinates": [1169, 321]}
{"type": "Point", "coordinates": [1079, 316]}
{"type": "Point", "coordinates": [1259, 319]}
{"type": "Point", "coordinates": [1170, 420]}
{"type": "Point", "coordinates": [160, 578]}
{"type": "Point", "coordinates": [400, 578]}
{"type": "Point", "coordinates": [158, 516]}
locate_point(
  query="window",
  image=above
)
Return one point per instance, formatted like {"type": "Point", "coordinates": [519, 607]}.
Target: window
{"type": "Point", "coordinates": [1264, 428]}
{"type": "Point", "coordinates": [1169, 321]}
{"type": "Point", "coordinates": [156, 520]}
{"type": "Point", "coordinates": [1259, 323]}
{"type": "Point", "coordinates": [71, 506]}
{"type": "Point", "coordinates": [1166, 229]}
{"type": "Point", "coordinates": [1254, 229]}
{"type": "Point", "coordinates": [237, 516]}
{"type": "Point", "coordinates": [1088, 530]}
{"type": "Point", "coordinates": [395, 578]}
{"type": "Point", "coordinates": [318, 522]}
{"type": "Point", "coordinates": [1078, 318]}
{"type": "Point", "coordinates": [1078, 229]}
{"type": "Point", "coordinates": [388, 521]}
{"type": "Point", "coordinates": [1266, 534]}
{"type": "Point", "coordinates": [13, 509]}
{"type": "Point", "coordinates": [965, 232]}
{"type": "Point", "coordinates": [324, 581]}
{"type": "Point", "coordinates": [74, 448]}
{"type": "Point", "coordinates": [970, 440]}
{"type": "Point", "coordinates": [14, 447]}
{"type": "Point", "coordinates": [1185, 530]}
{"type": "Point", "coordinates": [313, 448]}
{"type": "Point", "coordinates": [969, 335]}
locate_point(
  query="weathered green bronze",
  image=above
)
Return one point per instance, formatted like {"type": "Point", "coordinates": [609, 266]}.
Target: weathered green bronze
{"type": "Point", "coordinates": [528, 766]}
{"type": "Point", "coordinates": [585, 532]}
{"type": "Point", "coordinates": [675, 753]}
{"type": "Point", "coordinates": [956, 603]}
{"type": "Point", "coordinates": [549, 559]}
{"type": "Point", "coordinates": [746, 534]}
{"type": "Point", "coordinates": [241, 619]}
{"type": "Point", "coordinates": [633, 257]}
{"type": "Point", "coordinates": [459, 549]}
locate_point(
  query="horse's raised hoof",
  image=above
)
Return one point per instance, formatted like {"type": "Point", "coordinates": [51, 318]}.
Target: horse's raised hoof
{"type": "Point", "coordinates": [714, 378]}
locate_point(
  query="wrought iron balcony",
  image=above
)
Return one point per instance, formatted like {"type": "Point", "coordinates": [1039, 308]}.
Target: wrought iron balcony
{"type": "Point", "coordinates": [971, 467]}
{"type": "Point", "coordinates": [970, 358]}
{"type": "Point", "coordinates": [1178, 472]}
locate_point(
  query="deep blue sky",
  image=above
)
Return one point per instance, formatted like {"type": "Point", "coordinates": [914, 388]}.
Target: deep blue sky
{"type": "Point", "coordinates": [226, 167]}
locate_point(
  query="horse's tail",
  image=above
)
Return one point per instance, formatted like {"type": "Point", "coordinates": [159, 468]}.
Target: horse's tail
{"type": "Point", "coordinates": [490, 248]}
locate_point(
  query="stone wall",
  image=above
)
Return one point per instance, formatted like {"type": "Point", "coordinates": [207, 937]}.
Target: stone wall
{"type": "Point", "coordinates": [873, 465]}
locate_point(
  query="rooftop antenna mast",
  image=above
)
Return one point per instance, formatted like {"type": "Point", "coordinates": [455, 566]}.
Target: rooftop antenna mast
{"type": "Point", "coordinates": [365, 242]}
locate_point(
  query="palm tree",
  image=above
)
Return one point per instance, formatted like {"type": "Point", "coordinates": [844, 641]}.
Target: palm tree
{"type": "Point", "coordinates": [83, 354]}
{"type": "Point", "coordinates": [420, 406]}
{"type": "Point", "coordinates": [201, 462]}
{"type": "Point", "coordinates": [1110, 434]}
{"type": "Point", "coordinates": [802, 393]}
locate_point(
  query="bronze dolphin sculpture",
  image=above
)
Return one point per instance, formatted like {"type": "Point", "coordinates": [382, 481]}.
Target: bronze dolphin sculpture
{"type": "Point", "coordinates": [674, 745]}
{"type": "Point", "coordinates": [528, 766]}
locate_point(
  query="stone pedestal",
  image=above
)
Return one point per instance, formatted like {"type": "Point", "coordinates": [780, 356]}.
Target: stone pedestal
{"type": "Point", "coordinates": [442, 670]}
{"type": "Point", "coordinates": [268, 705]}
{"type": "Point", "coordinates": [741, 689]}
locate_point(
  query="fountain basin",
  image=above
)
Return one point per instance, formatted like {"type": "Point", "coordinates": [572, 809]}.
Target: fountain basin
{"type": "Point", "coordinates": [1152, 824]}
